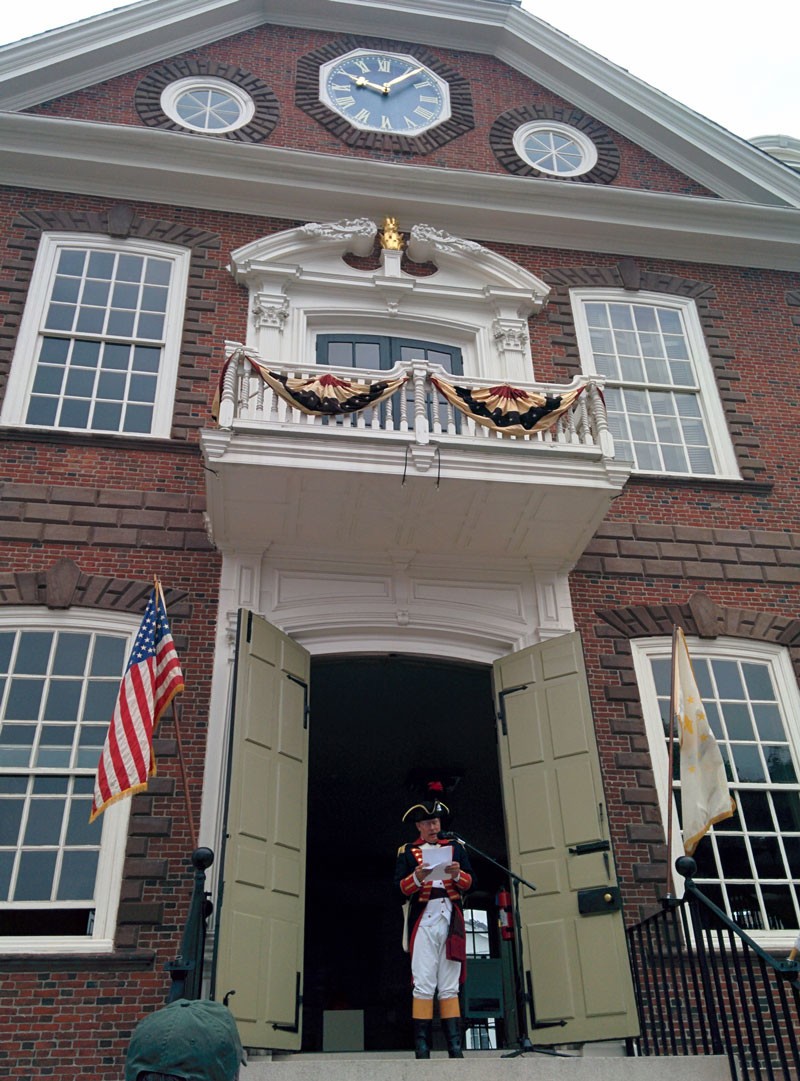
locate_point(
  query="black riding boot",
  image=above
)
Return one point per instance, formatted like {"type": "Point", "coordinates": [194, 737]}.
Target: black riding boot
{"type": "Point", "coordinates": [452, 1033]}
{"type": "Point", "coordinates": [422, 1038]}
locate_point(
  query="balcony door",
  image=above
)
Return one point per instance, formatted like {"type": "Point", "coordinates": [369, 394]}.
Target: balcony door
{"type": "Point", "coordinates": [378, 352]}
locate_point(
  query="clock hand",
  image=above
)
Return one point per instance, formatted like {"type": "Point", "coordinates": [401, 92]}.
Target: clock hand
{"type": "Point", "coordinates": [400, 78]}
{"type": "Point", "coordinates": [359, 80]}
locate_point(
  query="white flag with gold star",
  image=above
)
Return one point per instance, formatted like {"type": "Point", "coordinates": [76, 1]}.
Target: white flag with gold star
{"type": "Point", "coordinates": [705, 798]}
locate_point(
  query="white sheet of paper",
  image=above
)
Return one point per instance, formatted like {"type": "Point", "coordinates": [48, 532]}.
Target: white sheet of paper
{"type": "Point", "coordinates": [438, 858]}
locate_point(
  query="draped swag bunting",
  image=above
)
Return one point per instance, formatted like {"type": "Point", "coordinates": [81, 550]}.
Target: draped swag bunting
{"type": "Point", "coordinates": [322, 395]}
{"type": "Point", "coordinates": [507, 409]}
{"type": "Point", "coordinates": [328, 395]}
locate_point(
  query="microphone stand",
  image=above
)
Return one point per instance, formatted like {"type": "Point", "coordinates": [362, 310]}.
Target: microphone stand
{"type": "Point", "coordinates": [523, 998]}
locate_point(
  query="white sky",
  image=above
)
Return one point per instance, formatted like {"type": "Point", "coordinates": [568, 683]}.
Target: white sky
{"type": "Point", "coordinates": [736, 62]}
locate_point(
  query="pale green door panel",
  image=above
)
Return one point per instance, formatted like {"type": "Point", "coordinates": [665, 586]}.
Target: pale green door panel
{"type": "Point", "coordinates": [259, 943]}
{"type": "Point", "coordinates": [553, 797]}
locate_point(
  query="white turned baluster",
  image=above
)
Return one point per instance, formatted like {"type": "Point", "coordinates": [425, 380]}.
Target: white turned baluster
{"type": "Point", "coordinates": [600, 421]}
{"type": "Point", "coordinates": [227, 397]}
{"type": "Point", "coordinates": [582, 419]}
{"type": "Point", "coordinates": [421, 426]}
{"type": "Point", "coordinates": [244, 389]}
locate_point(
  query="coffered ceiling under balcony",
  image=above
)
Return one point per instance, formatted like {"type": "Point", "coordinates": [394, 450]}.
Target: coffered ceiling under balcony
{"type": "Point", "coordinates": [318, 492]}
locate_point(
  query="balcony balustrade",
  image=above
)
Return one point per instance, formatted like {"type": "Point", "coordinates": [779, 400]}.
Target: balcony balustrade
{"type": "Point", "coordinates": [417, 411]}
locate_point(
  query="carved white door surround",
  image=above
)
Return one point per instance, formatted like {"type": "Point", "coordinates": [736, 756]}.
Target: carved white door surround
{"type": "Point", "coordinates": [336, 603]}
{"type": "Point", "coordinates": [301, 286]}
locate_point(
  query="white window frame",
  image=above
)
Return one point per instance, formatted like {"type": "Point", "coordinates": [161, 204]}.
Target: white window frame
{"type": "Point", "coordinates": [719, 439]}
{"type": "Point", "coordinates": [108, 883]}
{"type": "Point", "coordinates": [23, 366]}
{"type": "Point", "coordinates": [567, 131]}
{"type": "Point", "coordinates": [644, 650]}
{"type": "Point", "coordinates": [174, 91]}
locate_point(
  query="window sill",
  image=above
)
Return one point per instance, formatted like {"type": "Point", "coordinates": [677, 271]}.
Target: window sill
{"type": "Point", "coordinates": [716, 484]}
{"type": "Point", "coordinates": [61, 436]}
{"type": "Point", "coordinates": [88, 961]}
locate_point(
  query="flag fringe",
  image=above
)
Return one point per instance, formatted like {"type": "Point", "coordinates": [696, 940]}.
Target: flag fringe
{"type": "Point", "coordinates": [119, 795]}
{"type": "Point", "coordinates": [690, 844]}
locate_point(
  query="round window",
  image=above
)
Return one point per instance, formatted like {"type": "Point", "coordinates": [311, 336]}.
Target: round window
{"type": "Point", "coordinates": [555, 149]}
{"type": "Point", "coordinates": [210, 105]}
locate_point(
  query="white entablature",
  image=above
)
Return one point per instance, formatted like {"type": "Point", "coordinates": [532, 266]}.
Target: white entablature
{"type": "Point", "coordinates": [301, 286]}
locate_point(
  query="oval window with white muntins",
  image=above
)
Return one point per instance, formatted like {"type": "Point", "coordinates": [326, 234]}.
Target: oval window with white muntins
{"type": "Point", "coordinates": [210, 105]}
{"type": "Point", "coordinates": [555, 149]}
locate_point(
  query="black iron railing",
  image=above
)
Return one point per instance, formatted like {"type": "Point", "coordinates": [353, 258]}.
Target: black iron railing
{"type": "Point", "coordinates": [187, 970]}
{"type": "Point", "coordinates": [704, 987]}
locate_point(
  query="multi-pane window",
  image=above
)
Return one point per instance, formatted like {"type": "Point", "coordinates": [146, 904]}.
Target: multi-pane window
{"type": "Point", "coordinates": [749, 864]}
{"type": "Point", "coordinates": [98, 346]}
{"type": "Point", "coordinates": [57, 694]}
{"type": "Point", "coordinates": [376, 352]}
{"type": "Point", "coordinates": [663, 408]}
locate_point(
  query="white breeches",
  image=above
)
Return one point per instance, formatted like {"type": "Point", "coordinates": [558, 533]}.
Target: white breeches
{"type": "Point", "coordinates": [430, 967]}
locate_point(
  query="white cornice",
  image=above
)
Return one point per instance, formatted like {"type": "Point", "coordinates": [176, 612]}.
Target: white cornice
{"type": "Point", "coordinates": [129, 163]}
{"type": "Point", "coordinates": [58, 62]}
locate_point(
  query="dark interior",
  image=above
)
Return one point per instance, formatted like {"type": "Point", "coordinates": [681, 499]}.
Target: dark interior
{"type": "Point", "coordinates": [376, 723]}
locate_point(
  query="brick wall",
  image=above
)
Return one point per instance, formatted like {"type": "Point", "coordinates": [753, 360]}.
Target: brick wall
{"type": "Point", "coordinates": [87, 521]}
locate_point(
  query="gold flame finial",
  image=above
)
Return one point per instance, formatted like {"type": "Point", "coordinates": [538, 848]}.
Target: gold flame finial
{"type": "Point", "coordinates": [390, 236]}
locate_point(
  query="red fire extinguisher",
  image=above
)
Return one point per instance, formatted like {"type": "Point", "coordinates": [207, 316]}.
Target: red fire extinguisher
{"type": "Point", "coordinates": [505, 914]}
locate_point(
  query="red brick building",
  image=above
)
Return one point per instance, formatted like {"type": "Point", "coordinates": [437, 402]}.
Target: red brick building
{"type": "Point", "coordinates": [365, 599]}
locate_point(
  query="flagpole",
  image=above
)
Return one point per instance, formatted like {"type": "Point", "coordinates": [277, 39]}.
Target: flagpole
{"type": "Point", "coordinates": [671, 745]}
{"type": "Point", "coordinates": [179, 741]}
{"type": "Point", "coordinates": [182, 766]}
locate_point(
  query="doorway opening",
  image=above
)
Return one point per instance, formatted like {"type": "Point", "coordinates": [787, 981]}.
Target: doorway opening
{"type": "Point", "coordinates": [375, 723]}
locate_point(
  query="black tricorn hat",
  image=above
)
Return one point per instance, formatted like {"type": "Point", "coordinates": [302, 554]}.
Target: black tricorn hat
{"type": "Point", "coordinates": [432, 807]}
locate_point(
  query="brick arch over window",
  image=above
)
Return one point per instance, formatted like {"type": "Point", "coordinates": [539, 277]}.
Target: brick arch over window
{"type": "Point", "coordinates": [699, 616]}
{"type": "Point", "coordinates": [629, 276]}
{"type": "Point", "coordinates": [122, 222]}
{"type": "Point", "coordinates": [63, 585]}
{"type": "Point", "coordinates": [148, 98]}
{"type": "Point", "coordinates": [501, 140]}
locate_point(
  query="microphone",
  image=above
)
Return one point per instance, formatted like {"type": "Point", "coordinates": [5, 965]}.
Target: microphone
{"type": "Point", "coordinates": [447, 836]}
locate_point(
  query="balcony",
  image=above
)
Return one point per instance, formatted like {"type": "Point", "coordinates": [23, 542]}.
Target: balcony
{"type": "Point", "coordinates": [409, 474]}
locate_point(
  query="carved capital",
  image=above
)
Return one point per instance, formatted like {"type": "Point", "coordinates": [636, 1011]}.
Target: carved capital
{"type": "Point", "coordinates": [269, 310]}
{"type": "Point", "coordinates": [511, 335]}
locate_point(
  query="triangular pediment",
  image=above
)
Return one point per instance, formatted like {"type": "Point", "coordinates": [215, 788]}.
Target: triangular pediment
{"type": "Point", "coordinates": [82, 54]}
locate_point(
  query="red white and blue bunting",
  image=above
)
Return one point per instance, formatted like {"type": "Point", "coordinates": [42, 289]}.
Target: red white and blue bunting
{"type": "Point", "coordinates": [323, 395]}
{"type": "Point", "coordinates": [507, 409]}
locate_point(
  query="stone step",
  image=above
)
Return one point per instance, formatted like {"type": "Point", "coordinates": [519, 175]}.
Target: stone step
{"type": "Point", "coordinates": [483, 1066]}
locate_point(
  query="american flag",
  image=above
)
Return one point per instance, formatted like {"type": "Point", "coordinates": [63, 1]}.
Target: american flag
{"type": "Point", "coordinates": [152, 679]}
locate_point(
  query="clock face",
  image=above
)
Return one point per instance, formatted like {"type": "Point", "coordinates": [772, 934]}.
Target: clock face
{"type": "Point", "coordinates": [375, 90]}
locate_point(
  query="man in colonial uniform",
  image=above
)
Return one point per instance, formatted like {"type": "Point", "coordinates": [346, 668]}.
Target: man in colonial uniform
{"type": "Point", "coordinates": [437, 939]}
